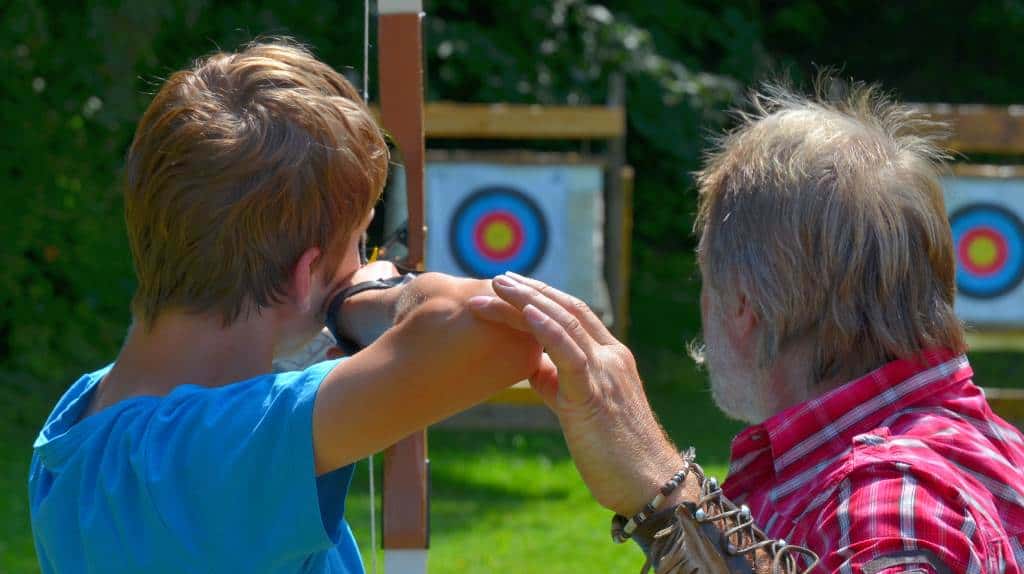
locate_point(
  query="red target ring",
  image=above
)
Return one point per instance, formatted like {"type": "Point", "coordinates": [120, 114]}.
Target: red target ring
{"type": "Point", "coordinates": [983, 251]}
{"type": "Point", "coordinates": [498, 235]}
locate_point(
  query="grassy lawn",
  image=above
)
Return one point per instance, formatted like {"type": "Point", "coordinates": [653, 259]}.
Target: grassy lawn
{"type": "Point", "coordinates": [513, 502]}
{"type": "Point", "coordinates": [20, 415]}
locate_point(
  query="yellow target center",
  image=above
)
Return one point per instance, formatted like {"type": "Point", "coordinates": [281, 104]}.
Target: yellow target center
{"type": "Point", "coordinates": [498, 235]}
{"type": "Point", "coordinates": [983, 251]}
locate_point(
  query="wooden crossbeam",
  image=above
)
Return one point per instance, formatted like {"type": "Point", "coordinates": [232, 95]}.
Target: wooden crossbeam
{"type": "Point", "coordinates": [981, 128]}
{"type": "Point", "coordinates": [512, 121]}
{"type": "Point", "coordinates": [448, 120]}
{"type": "Point", "coordinates": [996, 340]}
{"type": "Point", "coordinates": [988, 171]}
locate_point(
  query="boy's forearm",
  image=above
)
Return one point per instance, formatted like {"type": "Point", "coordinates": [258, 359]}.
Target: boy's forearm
{"type": "Point", "coordinates": [431, 286]}
{"type": "Point", "coordinates": [437, 360]}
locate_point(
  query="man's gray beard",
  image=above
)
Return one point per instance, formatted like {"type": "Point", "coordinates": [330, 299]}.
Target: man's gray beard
{"type": "Point", "coordinates": [737, 397]}
{"type": "Point", "coordinates": [737, 389]}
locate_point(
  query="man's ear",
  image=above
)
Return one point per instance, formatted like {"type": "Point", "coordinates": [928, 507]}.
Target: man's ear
{"type": "Point", "coordinates": [743, 319]}
{"type": "Point", "coordinates": [302, 280]}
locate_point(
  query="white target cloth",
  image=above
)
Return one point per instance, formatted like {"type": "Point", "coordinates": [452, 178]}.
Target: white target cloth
{"type": "Point", "coordinates": [985, 215]}
{"type": "Point", "coordinates": [545, 221]}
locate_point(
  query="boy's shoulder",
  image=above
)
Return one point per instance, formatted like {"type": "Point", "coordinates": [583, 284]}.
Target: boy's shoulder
{"type": "Point", "coordinates": [186, 402]}
{"type": "Point", "coordinates": [181, 467]}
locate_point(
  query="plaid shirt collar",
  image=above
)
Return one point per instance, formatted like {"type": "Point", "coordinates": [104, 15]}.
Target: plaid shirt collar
{"type": "Point", "coordinates": [808, 437]}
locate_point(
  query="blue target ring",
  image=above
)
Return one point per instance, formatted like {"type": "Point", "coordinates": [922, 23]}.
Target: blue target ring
{"type": "Point", "coordinates": [498, 229]}
{"type": "Point", "coordinates": [989, 243]}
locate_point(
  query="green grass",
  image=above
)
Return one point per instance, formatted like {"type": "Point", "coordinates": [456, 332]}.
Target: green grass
{"type": "Point", "coordinates": [513, 502]}
{"type": "Point", "coordinates": [21, 412]}
{"type": "Point", "coordinates": [501, 501]}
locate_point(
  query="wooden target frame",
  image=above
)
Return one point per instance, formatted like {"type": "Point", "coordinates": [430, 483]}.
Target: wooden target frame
{"type": "Point", "coordinates": [503, 123]}
{"type": "Point", "coordinates": [988, 130]}
{"type": "Point", "coordinates": [999, 131]}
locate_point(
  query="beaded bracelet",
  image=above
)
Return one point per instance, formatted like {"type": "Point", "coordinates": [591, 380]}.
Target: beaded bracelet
{"type": "Point", "coordinates": [622, 532]}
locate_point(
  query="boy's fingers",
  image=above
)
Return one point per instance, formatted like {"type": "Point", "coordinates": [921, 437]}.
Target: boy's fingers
{"type": "Point", "coordinates": [590, 321]}
{"type": "Point", "coordinates": [521, 296]}
{"type": "Point", "coordinates": [495, 310]}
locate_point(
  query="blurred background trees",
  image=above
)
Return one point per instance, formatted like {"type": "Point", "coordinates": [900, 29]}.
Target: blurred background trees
{"type": "Point", "coordinates": [75, 76]}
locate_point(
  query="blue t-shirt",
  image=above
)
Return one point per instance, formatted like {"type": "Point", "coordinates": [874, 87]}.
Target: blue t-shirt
{"type": "Point", "coordinates": [201, 480]}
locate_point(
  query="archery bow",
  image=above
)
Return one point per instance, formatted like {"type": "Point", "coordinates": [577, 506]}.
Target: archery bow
{"type": "Point", "coordinates": [400, 48]}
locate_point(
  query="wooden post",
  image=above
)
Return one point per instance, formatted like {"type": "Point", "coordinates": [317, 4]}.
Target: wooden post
{"type": "Point", "coordinates": [405, 497]}
{"type": "Point", "coordinates": [618, 227]}
{"type": "Point", "coordinates": [625, 262]}
{"type": "Point", "coordinates": [401, 100]}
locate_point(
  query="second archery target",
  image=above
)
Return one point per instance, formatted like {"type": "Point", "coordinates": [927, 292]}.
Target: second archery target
{"type": "Point", "coordinates": [985, 215]}
{"type": "Point", "coordinates": [989, 244]}
{"type": "Point", "coordinates": [543, 220]}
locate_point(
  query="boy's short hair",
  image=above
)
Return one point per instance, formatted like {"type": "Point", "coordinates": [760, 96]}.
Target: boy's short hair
{"type": "Point", "coordinates": [240, 164]}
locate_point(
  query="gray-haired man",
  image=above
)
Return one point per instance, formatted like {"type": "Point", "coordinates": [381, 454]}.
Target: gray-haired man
{"type": "Point", "coordinates": [827, 305]}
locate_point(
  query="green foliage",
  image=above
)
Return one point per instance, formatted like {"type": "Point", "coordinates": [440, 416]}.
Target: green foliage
{"type": "Point", "coordinates": [74, 81]}
{"type": "Point", "coordinates": [75, 77]}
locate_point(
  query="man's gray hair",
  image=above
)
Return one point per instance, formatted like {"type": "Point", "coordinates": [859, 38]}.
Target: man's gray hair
{"type": "Point", "coordinates": [828, 213]}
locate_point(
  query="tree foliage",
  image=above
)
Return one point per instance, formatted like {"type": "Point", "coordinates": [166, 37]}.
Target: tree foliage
{"type": "Point", "coordinates": [74, 78]}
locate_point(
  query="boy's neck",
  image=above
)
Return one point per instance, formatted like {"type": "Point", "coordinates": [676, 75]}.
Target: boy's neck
{"type": "Point", "coordinates": [194, 349]}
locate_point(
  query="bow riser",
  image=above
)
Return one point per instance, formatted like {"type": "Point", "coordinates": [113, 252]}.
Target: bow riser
{"type": "Point", "coordinates": [400, 53]}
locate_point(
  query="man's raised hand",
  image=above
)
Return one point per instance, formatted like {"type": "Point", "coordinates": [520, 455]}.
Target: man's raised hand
{"type": "Point", "coordinates": [590, 381]}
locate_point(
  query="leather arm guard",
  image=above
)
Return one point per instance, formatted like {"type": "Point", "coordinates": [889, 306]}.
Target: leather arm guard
{"type": "Point", "coordinates": [711, 536]}
{"type": "Point", "coordinates": [347, 345]}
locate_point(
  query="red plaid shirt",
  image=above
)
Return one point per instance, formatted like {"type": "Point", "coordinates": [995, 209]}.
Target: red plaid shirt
{"type": "Point", "coordinates": [902, 470]}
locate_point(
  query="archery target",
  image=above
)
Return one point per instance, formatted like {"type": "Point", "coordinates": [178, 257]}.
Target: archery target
{"type": "Point", "coordinates": [985, 216]}
{"type": "Point", "coordinates": [498, 229]}
{"type": "Point", "coordinates": [989, 244]}
{"type": "Point", "coordinates": [545, 221]}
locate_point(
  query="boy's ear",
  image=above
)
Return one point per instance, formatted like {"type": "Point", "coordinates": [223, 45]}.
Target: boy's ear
{"type": "Point", "coordinates": [302, 280]}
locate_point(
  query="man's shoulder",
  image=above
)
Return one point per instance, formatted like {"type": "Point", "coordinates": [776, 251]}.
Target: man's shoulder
{"type": "Point", "coordinates": [944, 482]}
{"type": "Point", "coordinates": [960, 458]}
{"type": "Point", "coordinates": [945, 442]}
{"type": "Point", "coordinates": [900, 506]}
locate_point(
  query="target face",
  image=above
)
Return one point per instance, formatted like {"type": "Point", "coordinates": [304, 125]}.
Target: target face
{"type": "Point", "coordinates": [989, 243]}
{"type": "Point", "coordinates": [498, 229]}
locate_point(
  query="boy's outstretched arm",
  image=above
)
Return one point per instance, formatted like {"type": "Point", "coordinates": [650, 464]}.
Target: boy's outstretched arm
{"type": "Point", "coordinates": [436, 359]}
